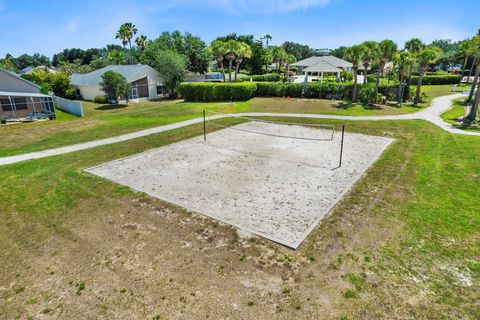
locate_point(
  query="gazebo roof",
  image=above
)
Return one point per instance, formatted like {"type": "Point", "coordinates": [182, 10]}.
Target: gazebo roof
{"type": "Point", "coordinates": [322, 66]}
{"type": "Point", "coordinates": [334, 61]}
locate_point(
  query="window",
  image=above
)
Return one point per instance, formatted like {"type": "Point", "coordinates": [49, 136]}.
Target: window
{"type": "Point", "coordinates": [20, 103]}
{"type": "Point", "coordinates": [162, 90]}
{"type": "Point", "coordinates": [5, 103]}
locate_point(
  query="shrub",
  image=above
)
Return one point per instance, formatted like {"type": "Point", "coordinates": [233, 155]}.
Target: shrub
{"type": "Point", "coordinates": [115, 85]}
{"type": "Point", "coordinates": [427, 80]}
{"type": "Point", "coordinates": [100, 99]}
{"type": "Point", "coordinates": [58, 83]}
{"type": "Point", "coordinates": [346, 76]}
{"type": "Point", "coordinates": [366, 93]}
{"type": "Point", "coordinates": [391, 91]}
{"type": "Point", "coordinates": [269, 77]}
{"type": "Point", "coordinates": [438, 79]}
{"type": "Point", "coordinates": [210, 91]}
{"type": "Point", "coordinates": [381, 98]}
{"type": "Point", "coordinates": [3, 120]}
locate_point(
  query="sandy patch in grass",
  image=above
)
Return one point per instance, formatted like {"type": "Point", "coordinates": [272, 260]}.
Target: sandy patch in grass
{"type": "Point", "coordinates": [274, 187]}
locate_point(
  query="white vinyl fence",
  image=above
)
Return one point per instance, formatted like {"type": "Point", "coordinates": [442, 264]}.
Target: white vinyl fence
{"type": "Point", "coordinates": [69, 106]}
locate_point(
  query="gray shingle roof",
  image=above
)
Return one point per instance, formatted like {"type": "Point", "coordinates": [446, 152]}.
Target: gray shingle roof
{"type": "Point", "coordinates": [130, 72]}
{"type": "Point", "coordinates": [334, 61]}
{"type": "Point", "coordinates": [322, 66]}
{"type": "Point", "coordinates": [19, 78]}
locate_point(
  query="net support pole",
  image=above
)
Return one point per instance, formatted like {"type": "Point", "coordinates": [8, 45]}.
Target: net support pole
{"type": "Point", "coordinates": [341, 146]}
{"type": "Point", "coordinates": [204, 127]}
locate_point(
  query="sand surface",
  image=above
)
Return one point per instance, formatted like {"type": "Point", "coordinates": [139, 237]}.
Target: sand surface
{"type": "Point", "coordinates": [273, 187]}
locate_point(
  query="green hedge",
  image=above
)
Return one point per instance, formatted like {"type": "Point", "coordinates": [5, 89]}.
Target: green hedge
{"type": "Point", "coordinates": [437, 80]}
{"type": "Point", "coordinates": [269, 77]}
{"type": "Point", "coordinates": [337, 91]}
{"type": "Point", "coordinates": [100, 99]}
{"type": "Point", "coordinates": [428, 79]}
{"type": "Point", "coordinates": [331, 91]}
{"type": "Point", "coordinates": [210, 91]}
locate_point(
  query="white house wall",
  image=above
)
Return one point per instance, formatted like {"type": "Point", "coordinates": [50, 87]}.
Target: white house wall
{"type": "Point", "coordinates": [154, 80]}
{"type": "Point", "coordinates": [90, 92]}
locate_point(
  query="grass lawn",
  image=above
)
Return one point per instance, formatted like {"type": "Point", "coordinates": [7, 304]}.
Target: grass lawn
{"type": "Point", "coordinates": [405, 243]}
{"type": "Point", "coordinates": [457, 111]}
{"type": "Point", "coordinates": [103, 121]}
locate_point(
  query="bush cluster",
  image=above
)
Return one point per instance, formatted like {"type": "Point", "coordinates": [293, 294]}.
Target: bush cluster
{"type": "Point", "coordinates": [214, 91]}
{"type": "Point", "coordinates": [208, 91]}
{"type": "Point", "coordinates": [337, 91]}
{"type": "Point", "coordinates": [427, 80]}
{"type": "Point", "coordinates": [269, 77]}
{"type": "Point", "coordinates": [437, 80]}
{"type": "Point", "coordinates": [100, 99]}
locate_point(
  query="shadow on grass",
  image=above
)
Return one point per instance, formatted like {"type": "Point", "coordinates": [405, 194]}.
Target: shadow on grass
{"type": "Point", "coordinates": [111, 107]}
{"type": "Point", "coordinates": [369, 106]}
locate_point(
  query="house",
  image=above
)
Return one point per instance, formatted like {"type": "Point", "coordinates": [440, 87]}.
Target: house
{"type": "Point", "coordinates": [20, 98]}
{"type": "Point", "coordinates": [320, 64]}
{"type": "Point", "coordinates": [30, 70]}
{"type": "Point", "coordinates": [26, 69]}
{"type": "Point", "coordinates": [146, 82]}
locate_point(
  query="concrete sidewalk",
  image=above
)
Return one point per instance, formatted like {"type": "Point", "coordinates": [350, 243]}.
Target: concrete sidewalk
{"type": "Point", "coordinates": [432, 114]}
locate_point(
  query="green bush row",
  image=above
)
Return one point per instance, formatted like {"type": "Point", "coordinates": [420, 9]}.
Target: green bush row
{"type": "Point", "coordinates": [332, 91]}
{"type": "Point", "coordinates": [208, 91]}
{"type": "Point", "coordinates": [427, 80]}
{"type": "Point", "coordinates": [100, 99]}
{"type": "Point", "coordinates": [437, 80]}
{"type": "Point", "coordinates": [214, 91]}
{"type": "Point", "coordinates": [268, 77]}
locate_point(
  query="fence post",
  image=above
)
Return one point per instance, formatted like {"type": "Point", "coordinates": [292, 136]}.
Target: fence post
{"type": "Point", "coordinates": [204, 127]}
{"type": "Point", "coordinates": [341, 146]}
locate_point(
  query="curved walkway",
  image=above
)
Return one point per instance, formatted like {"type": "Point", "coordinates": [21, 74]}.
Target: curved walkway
{"type": "Point", "coordinates": [432, 114]}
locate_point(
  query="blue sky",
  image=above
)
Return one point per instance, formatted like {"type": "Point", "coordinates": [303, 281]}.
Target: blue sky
{"type": "Point", "coordinates": [49, 26]}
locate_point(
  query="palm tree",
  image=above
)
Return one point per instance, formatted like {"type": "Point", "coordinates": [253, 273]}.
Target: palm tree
{"type": "Point", "coordinates": [244, 52]}
{"type": "Point", "coordinates": [231, 49]}
{"type": "Point", "coordinates": [414, 46]}
{"type": "Point", "coordinates": [475, 50]}
{"type": "Point", "coordinates": [277, 55]}
{"type": "Point", "coordinates": [268, 59]}
{"type": "Point", "coordinates": [475, 58]}
{"type": "Point", "coordinates": [370, 53]}
{"type": "Point", "coordinates": [218, 49]}
{"type": "Point", "coordinates": [116, 56]}
{"type": "Point", "coordinates": [289, 58]}
{"type": "Point", "coordinates": [130, 30]}
{"type": "Point", "coordinates": [267, 37]}
{"type": "Point", "coordinates": [465, 48]}
{"type": "Point", "coordinates": [141, 42]}
{"type": "Point", "coordinates": [387, 49]}
{"type": "Point", "coordinates": [425, 57]}
{"type": "Point", "coordinates": [354, 55]}
{"type": "Point", "coordinates": [122, 35]}
{"type": "Point", "coordinates": [404, 61]}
